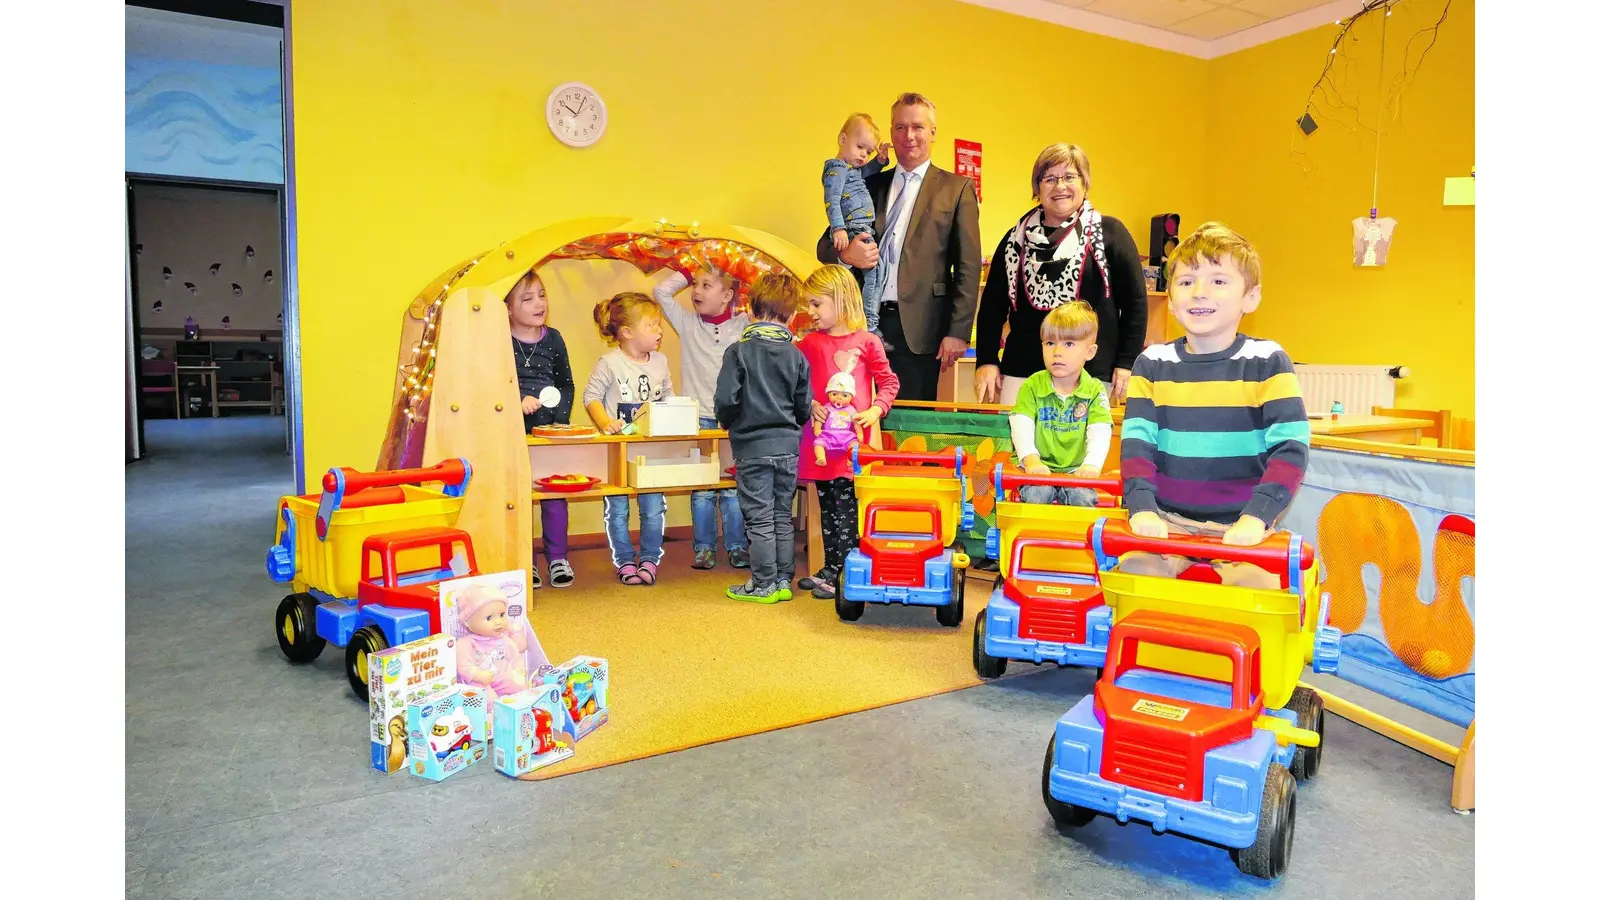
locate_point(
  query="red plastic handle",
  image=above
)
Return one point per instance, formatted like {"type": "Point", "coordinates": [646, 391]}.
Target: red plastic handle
{"type": "Point", "coordinates": [450, 471]}
{"type": "Point", "coordinates": [1015, 478]}
{"type": "Point", "coordinates": [1116, 538]}
{"type": "Point", "coordinates": [897, 457]}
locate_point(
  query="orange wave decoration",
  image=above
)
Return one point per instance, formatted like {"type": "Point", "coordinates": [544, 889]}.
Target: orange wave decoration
{"type": "Point", "coordinates": [1434, 639]}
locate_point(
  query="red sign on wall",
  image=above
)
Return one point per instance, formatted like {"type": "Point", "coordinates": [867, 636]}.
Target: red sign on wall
{"type": "Point", "coordinates": [969, 162]}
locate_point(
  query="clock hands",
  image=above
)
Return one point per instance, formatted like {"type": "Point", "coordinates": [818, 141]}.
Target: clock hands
{"type": "Point", "coordinates": [570, 109]}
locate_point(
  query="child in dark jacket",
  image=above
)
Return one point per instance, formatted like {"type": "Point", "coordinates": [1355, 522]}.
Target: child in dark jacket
{"type": "Point", "coordinates": [764, 399]}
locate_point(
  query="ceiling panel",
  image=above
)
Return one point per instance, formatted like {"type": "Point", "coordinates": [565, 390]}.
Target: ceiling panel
{"type": "Point", "coordinates": [1156, 13]}
{"type": "Point", "coordinates": [1223, 20]}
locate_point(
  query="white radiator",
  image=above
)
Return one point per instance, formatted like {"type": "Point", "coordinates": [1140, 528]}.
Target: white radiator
{"type": "Point", "coordinates": [1358, 388]}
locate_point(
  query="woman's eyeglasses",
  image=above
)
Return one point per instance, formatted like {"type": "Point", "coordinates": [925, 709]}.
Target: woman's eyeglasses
{"type": "Point", "coordinates": [1051, 181]}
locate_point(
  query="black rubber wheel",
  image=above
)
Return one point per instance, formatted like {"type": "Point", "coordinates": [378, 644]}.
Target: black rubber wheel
{"type": "Point", "coordinates": [987, 666]}
{"type": "Point", "coordinates": [951, 614]}
{"type": "Point", "coordinates": [1099, 671]}
{"type": "Point", "coordinates": [848, 611]}
{"type": "Point", "coordinates": [296, 624]}
{"type": "Point", "coordinates": [1066, 815]}
{"type": "Point", "coordinates": [365, 642]}
{"type": "Point", "coordinates": [1268, 857]}
{"type": "Point", "coordinates": [1307, 707]}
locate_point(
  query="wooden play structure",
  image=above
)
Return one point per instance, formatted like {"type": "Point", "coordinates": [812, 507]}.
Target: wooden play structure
{"type": "Point", "coordinates": [455, 392]}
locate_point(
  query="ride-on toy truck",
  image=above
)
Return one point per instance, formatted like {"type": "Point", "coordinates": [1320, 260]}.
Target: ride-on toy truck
{"type": "Point", "coordinates": [1196, 724]}
{"type": "Point", "coordinates": [365, 559]}
{"type": "Point", "coordinates": [908, 518]}
{"type": "Point", "coordinates": [1047, 606]}
{"type": "Point", "coordinates": [1194, 756]}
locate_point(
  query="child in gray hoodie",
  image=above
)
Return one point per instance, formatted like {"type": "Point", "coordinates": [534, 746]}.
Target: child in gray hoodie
{"type": "Point", "coordinates": [763, 398]}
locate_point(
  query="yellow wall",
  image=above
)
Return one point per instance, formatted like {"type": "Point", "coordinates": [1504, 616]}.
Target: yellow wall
{"type": "Point", "coordinates": [420, 140]}
{"type": "Point", "coordinates": [1418, 309]}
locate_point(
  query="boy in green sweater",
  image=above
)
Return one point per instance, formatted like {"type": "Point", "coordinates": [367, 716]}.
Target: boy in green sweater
{"type": "Point", "coordinates": [1061, 422]}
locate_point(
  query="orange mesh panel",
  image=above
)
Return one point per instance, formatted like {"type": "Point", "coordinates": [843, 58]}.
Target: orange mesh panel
{"type": "Point", "coordinates": [1434, 639]}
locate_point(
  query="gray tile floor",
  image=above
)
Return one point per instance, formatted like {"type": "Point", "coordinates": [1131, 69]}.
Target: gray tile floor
{"type": "Point", "coordinates": [247, 778]}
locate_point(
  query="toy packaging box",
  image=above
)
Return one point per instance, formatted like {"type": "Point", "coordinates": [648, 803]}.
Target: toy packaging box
{"type": "Point", "coordinates": [514, 586]}
{"type": "Point", "coordinates": [448, 732]}
{"type": "Point", "coordinates": [398, 677]}
{"type": "Point", "coordinates": [534, 730]}
{"type": "Point", "coordinates": [584, 683]}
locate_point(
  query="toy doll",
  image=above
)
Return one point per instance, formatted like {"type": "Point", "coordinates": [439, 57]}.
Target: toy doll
{"type": "Point", "coordinates": [487, 653]}
{"type": "Point", "coordinates": [838, 431]}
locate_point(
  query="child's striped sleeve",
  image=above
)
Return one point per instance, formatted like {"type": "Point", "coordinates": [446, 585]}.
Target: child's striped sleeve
{"type": "Point", "coordinates": [1287, 438]}
{"type": "Point", "coordinates": [1139, 440]}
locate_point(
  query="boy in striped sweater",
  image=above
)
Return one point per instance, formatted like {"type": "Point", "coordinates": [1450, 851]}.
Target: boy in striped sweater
{"type": "Point", "coordinates": [1214, 437]}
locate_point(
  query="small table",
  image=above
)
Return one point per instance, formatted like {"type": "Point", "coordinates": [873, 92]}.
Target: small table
{"type": "Point", "coordinates": [207, 374]}
{"type": "Point", "coordinates": [1384, 429]}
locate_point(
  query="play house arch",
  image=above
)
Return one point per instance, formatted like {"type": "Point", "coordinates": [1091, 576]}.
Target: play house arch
{"type": "Point", "coordinates": [455, 391]}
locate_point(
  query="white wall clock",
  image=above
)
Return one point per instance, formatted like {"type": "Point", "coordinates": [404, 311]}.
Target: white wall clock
{"type": "Point", "coordinates": [576, 114]}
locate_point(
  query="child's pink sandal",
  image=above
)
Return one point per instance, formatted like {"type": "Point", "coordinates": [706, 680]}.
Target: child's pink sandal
{"type": "Point", "coordinates": [628, 573]}
{"type": "Point", "coordinates": [647, 573]}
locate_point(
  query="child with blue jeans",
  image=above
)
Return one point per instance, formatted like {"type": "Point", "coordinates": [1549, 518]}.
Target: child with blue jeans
{"type": "Point", "coordinates": [705, 335]}
{"type": "Point", "coordinates": [849, 204]}
{"type": "Point", "coordinates": [1061, 422]}
{"type": "Point", "coordinates": [624, 379]}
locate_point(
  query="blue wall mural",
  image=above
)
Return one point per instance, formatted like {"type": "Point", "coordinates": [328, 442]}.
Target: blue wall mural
{"type": "Point", "coordinates": [200, 120]}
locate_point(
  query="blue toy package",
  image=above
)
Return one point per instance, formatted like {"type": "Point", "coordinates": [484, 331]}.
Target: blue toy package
{"type": "Point", "coordinates": [584, 683]}
{"type": "Point", "coordinates": [534, 730]}
{"type": "Point", "coordinates": [448, 732]}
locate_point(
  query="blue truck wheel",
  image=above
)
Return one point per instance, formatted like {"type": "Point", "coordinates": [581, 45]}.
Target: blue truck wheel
{"type": "Point", "coordinates": [848, 610]}
{"type": "Point", "coordinates": [296, 624]}
{"type": "Point", "coordinates": [951, 614]}
{"type": "Point", "coordinates": [986, 666]}
{"type": "Point", "coordinates": [1268, 857]}
{"type": "Point", "coordinates": [366, 641]}
{"type": "Point", "coordinates": [1306, 705]}
{"type": "Point", "coordinates": [1067, 815]}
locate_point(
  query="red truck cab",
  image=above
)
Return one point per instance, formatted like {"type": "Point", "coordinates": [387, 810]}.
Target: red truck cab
{"type": "Point", "coordinates": [402, 569]}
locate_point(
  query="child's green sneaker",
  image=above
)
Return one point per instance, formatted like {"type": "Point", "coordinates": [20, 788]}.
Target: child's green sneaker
{"type": "Point", "coordinates": [784, 591]}
{"type": "Point", "coordinates": [752, 593]}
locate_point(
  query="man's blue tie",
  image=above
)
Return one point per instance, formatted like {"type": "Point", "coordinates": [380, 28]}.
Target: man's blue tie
{"type": "Point", "coordinates": [890, 254]}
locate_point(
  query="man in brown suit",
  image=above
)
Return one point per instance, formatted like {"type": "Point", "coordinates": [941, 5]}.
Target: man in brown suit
{"type": "Point", "coordinates": [927, 231]}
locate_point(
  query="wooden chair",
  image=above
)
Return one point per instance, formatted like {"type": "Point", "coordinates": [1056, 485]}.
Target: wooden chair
{"type": "Point", "coordinates": [1439, 430]}
{"type": "Point", "coordinates": [160, 379]}
{"type": "Point", "coordinates": [1464, 437]}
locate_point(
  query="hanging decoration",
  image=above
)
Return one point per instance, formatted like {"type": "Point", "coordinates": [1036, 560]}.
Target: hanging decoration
{"type": "Point", "coordinates": [1374, 235]}
{"type": "Point", "coordinates": [227, 323]}
{"type": "Point", "coordinates": [191, 329]}
{"type": "Point", "coordinates": [1372, 238]}
{"type": "Point", "coordinates": [267, 278]}
{"type": "Point", "coordinates": [215, 267]}
{"type": "Point", "coordinates": [237, 290]}
{"type": "Point", "coordinates": [138, 249]}
{"type": "Point", "coordinates": [280, 320]}
{"type": "Point", "coordinates": [166, 273]}
{"type": "Point", "coordinates": [249, 252]}
{"type": "Point", "coordinates": [156, 307]}
{"type": "Point", "coordinates": [190, 286]}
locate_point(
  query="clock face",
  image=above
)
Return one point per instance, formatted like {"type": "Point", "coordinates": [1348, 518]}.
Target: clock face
{"type": "Point", "coordinates": [576, 114]}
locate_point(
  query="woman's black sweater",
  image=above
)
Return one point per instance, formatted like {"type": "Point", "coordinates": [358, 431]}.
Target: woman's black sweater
{"type": "Point", "coordinates": [1122, 316]}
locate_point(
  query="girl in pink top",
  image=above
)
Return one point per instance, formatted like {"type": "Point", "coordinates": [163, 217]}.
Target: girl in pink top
{"type": "Point", "coordinates": [840, 345]}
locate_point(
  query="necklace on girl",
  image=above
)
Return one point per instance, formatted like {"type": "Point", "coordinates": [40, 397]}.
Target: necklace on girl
{"type": "Point", "coordinates": [533, 348]}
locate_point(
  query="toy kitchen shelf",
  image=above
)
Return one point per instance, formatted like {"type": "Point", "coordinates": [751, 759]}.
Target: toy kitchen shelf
{"type": "Point", "coordinates": [606, 456]}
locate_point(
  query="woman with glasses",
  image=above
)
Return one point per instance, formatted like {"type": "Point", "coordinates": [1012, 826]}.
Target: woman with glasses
{"type": "Point", "coordinates": [1062, 250]}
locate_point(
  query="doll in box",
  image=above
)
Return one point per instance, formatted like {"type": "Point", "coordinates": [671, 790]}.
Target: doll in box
{"type": "Point", "coordinates": [487, 653]}
{"type": "Point", "coordinates": [838, 431]}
